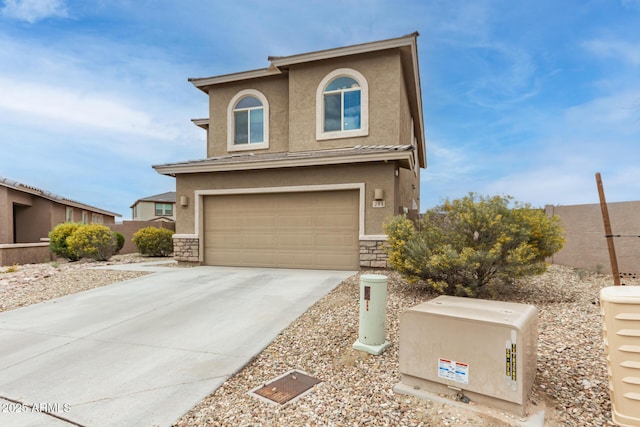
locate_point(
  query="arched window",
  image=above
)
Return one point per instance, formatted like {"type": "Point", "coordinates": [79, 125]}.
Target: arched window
{"type": "Point", "coordinates": [342, 107]}
{"type": "Point", "coordinates": [248, 121]}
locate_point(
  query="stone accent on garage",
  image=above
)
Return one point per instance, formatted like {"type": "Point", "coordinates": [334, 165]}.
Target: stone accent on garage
{"type": "Point", "coordinates": [372, 254]}
{"type": "Point", "coordinates": [186, 248]}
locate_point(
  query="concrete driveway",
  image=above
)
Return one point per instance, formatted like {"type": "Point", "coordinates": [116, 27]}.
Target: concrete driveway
{"type": "Point", "coordinates": [144, 351]}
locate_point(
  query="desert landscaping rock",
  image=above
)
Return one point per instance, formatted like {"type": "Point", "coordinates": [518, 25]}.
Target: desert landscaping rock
{"type": "Point", "coordinates": [356, 389]}
{"type": "Point", "coordinates": [571, 380]}
{"type": "Point", "coordinates": [23, 285]}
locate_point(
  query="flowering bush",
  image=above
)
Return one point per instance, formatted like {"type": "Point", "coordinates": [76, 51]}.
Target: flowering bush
{"type": "Point", "coordinates": [463, 245]}
{"type": "Point", "coordinates": [58, 240]}
{"type": "Point", "coordinates": [154, 241]}
{"type": "Point", "coordinates": [94, 241]}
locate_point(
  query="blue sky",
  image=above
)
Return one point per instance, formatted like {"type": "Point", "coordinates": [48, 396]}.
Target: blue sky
{"type": "Point", "coordinates": [526, 98]}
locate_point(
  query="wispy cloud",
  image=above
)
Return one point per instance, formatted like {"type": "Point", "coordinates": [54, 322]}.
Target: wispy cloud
{"type": "Point", "coordinates": [621, 50]}
{"type": "Point", "coordinates": [100, 111]}
{"type": "Point", "coordinates": [33, 11]}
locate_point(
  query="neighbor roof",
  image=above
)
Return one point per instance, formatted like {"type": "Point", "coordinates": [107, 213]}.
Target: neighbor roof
{"type": "Point", "coordinates": [168, 197]}
{"type": "Point", "coordinates": [247, 161]}
{"type": "Point", "coordinates": [18, 186]}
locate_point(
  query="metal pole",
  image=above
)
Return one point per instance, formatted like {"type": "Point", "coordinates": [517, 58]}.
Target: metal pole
{"type": "Point", "coordinates": [607, 232]}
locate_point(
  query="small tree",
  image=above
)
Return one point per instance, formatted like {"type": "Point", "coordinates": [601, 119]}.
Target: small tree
{"type": "Point", "coordinates": [58, 240]}
{"type": "Point", "coordinates": [154, 241]}
{"type": "Point", "coordinates": [93, 241]}
{"type": "Point", "coordinates": [463, 245]}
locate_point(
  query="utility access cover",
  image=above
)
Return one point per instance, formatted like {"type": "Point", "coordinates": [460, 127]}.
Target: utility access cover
{"type": "Point", "coordinates": [283, 389]}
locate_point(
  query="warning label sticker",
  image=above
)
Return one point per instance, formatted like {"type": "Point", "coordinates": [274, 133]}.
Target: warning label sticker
{"type": "Point", "coordinates": [511, 365]}
{"type": "Point", "coordinates": [453, 370]}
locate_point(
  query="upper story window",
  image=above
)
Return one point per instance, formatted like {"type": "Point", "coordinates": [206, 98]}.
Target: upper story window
{"type": "Point", "coordinates": [69, 214]}
{"type": "Point", "coordinates": [164, 209]}
{"type": "Point", "coordinates": [248, 121]}
{"type": "Point", "coordinates": [342, 105]}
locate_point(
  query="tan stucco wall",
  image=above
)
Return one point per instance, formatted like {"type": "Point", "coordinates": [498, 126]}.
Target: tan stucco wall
{"type": "Point", "coordinates": [35, 216]}
{"type": "Point", "coordinates": [404, 115]}
{"type": "Point", "coordinates": [292, 105]}
{"type": "Point", "coordinates": [33, 222]}
{"type": "Point", "coordinates": [408, 189]}
{"type": "Point", "coordinates": [586, 245]}
{"type": "Point", "coordinates": [274, 88]}
{"type": "Point", "coordinates": [24, 253]}
{"type": "Point", "coordinates": [382, 71]}
{"type": "Point", "coordinates": [6, 217]}
{"type": "Point", "coordinates": [374, 175]}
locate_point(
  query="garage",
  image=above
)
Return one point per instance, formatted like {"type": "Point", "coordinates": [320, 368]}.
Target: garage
{"type": "Point", "coordinates": [315, 230]}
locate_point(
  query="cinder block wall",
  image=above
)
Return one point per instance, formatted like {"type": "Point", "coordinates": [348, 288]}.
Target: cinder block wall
{"type": "Point", "coordinates": [128, 228]}
{"type": "Point", "coordinates": [586, 245]}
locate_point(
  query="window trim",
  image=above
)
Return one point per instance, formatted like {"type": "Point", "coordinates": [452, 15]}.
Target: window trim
{"type": "Point", "coordinates": [364, 105]}
{"type": "Point", "coordinates": [166, 209]}
{"type": "Point", "coordinates": [231, 146]}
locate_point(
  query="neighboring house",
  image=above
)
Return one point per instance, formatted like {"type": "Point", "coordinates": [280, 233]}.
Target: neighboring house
{"type": "Point", "coordinates": [28, 214]}
{"type": "Point", "coordinates": [161, 207]}
{"type": "Point", "coordinates": [305, 160]}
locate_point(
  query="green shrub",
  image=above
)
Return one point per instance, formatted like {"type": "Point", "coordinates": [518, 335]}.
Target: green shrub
{"type": "Point", "coordinates": [154, 241]}
{"type": "Point", "coordinates": [119, 241]}
{"type": "Point", "coordinates": [58, 240]}
{"type": "Point", "coordinates": [461, 246]}
{"type": "Point", "coordinates": [93, 241]}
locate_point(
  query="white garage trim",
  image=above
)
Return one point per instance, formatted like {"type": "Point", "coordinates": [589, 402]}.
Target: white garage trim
{"type": "Point", "coordinates": [200, 194]}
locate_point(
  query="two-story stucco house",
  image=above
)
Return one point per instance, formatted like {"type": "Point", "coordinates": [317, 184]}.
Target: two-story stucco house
{"type": "Point", "coordinates": [159, 207]}
{"type": "Point", "coordinates": [305, 160]}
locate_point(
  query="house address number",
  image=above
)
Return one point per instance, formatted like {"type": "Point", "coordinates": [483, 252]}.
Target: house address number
{"type": "Point", "coordinates": [378, 203]}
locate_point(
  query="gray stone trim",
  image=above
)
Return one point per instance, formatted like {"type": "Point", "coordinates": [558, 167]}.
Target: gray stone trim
{"type": "Point", "coordinates": [186, 249]}
{"type": "Point", "coordinates": [372, 254]}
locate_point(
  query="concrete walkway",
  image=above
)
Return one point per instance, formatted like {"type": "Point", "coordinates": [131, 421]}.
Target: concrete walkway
{"type": "Point", "coordinates": [144, 351]}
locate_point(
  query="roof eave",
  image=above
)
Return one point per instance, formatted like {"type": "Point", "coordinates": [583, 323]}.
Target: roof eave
{"type": "Point", "coordinates": [184, 168]}
{"type": "Point", "coordinates": [201, 123]}
{"type": "Point", "coordinates": [281, 61]}
{"type": "Point", "coordinates": [203, 83]}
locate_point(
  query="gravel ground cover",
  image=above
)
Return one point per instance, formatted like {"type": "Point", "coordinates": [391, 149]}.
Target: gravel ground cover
{"type": "Point", "coordinates": [571, 382]}
{"type": "Point", "coordinates": [23, 285]}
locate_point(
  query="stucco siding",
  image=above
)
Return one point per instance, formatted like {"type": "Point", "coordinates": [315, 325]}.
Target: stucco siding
{"type": "Point", "coordinates": [382, 72]}
{"type": "Point", "coordinates": [373, 175]}
{"type": "Point", "coordinates": [275, 89]}
{"type": "Point", "coordinates": [6, 217]}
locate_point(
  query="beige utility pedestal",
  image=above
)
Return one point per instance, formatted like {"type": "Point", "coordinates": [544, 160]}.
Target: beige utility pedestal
{"type": "Point", "coordinates": [484, 350]}
{"type": "Point", "coordinates": [621, 318]}
{"type": "Point", "coordinates": [373, 313]}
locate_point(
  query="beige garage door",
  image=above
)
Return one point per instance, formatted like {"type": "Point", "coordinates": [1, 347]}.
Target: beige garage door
{"type": "Point", "coordinates": [317, 230]}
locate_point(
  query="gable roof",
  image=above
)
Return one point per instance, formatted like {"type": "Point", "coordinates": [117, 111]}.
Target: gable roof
{"type": "Point", "coordinates": [407, 46]}
{"type": "Point", "coordinates": [18, 186]}
{"type": "Point", "coordinates": [168, 197]}
{"type": "Point", "coordinates": [248, 161]}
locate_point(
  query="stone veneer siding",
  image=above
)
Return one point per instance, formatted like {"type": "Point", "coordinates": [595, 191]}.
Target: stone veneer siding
{"type": "Point", "coordinates": [186, 249]}
{"type": "Point", "coordinates": [372, 254]}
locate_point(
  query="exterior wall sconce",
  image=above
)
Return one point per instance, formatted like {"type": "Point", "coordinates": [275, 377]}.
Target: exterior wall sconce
{"type": "Point", "coordinates": [379, 194]}
{"type": "Point", "coordinates": [184, 201]}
